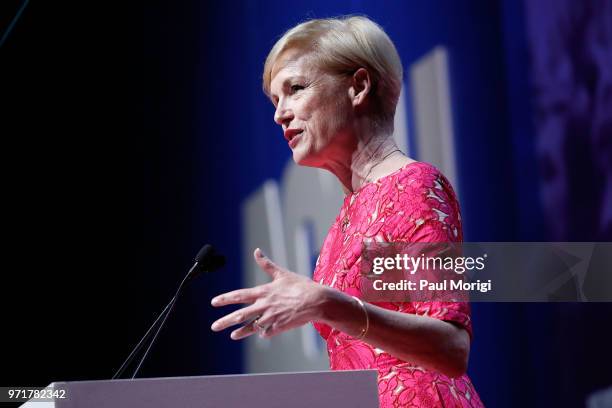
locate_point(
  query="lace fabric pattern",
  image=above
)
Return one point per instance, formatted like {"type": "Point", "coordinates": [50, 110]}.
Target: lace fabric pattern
{"type": "Point", "coordinates": [414, 204]}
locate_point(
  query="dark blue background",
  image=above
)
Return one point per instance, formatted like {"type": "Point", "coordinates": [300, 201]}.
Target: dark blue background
{"type": "Point", "coordinates": [138, 133]}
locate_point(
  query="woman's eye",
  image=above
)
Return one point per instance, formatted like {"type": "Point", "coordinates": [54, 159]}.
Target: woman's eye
{"type": "Point", "coordinates": [295, 88]}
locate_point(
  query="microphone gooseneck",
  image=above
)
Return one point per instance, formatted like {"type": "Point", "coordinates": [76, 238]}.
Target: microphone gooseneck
{"type": "Point", "coordinates": [207, 260]}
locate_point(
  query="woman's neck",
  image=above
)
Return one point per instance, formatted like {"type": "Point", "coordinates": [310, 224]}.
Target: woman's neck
{"type": "Point", "coordinates": [371, 159]}
{"type": "Point", "coordinates": [366, 160]}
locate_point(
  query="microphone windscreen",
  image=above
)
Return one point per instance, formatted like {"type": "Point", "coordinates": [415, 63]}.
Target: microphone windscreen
{"type": "Point", "coordinates": [204, 253]}
{"type": "Point", "coordinates": [208, 260]}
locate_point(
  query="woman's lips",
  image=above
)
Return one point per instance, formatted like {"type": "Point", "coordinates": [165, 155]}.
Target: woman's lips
{"type": "Point", "coordinates": [294, 140]}
{"type": "Point", "coordinates": [293, 136]}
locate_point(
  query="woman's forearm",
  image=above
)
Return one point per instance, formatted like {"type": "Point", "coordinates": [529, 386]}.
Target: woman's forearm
{"type": "Point", "coordinates": [425, 341]}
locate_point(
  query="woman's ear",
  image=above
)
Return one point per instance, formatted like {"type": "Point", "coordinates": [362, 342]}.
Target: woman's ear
{"type": "Point", "coordinates": [360, 86]}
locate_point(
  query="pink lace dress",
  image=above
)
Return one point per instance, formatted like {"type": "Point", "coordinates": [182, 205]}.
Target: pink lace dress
{"type": "Point", "coordinates": [414, 204]}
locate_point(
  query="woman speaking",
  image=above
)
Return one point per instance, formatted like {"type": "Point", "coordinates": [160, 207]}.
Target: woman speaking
{"type": "Point", "coordinates": [335, 84]}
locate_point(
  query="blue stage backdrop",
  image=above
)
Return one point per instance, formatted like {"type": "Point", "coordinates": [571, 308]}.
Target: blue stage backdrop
{"type": "Point", "coordinates": [522, 354]}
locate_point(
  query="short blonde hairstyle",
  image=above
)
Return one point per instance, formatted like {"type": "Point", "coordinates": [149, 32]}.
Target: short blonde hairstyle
{"type": "Point", "coordinates": [343, 45]}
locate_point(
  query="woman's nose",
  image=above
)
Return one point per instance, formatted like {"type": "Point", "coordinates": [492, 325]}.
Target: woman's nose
{"type": "Point", "coordinates": [283, 115]}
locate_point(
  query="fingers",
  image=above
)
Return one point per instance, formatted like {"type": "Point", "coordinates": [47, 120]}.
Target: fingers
{"type": "Point", "coordinates": [266, 264]}
{"type": "Point", "coordinates": [237, 317]}
{"type": "Point", "coordinates": [258, 326]}
{"type": "Point", "coordinates": [254, 324]}
{"type": "Point", "coordinates": [244, 331]}
{"type": "Point", "coordinates": [249, 295]}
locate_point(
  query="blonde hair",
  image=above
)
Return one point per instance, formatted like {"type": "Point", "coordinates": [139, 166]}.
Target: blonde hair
{"type": "Point", "coordinates": [343, 45]}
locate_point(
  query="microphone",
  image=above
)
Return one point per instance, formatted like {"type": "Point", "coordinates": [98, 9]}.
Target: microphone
{"type": "Point", "coordinates": [207, 260]}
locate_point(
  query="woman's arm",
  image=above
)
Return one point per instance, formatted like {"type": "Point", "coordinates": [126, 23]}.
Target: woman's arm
{"type": "Point", "coordinates": [291, 300]}
{"type": "Point", "coordinates": [426, 341]}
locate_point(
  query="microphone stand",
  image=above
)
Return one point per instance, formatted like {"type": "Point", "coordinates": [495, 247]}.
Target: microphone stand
{"type": "Point", "coordinates": [165, 313]}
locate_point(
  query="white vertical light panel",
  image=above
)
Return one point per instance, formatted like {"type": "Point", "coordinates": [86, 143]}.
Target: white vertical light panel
{"type": "Point", "coordinates": [431, 102]}
{"type": "Point", "coordinates": [400, 124]}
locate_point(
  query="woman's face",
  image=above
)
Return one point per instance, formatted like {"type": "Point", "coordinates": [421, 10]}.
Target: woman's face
{"type": "Point", "coordinates": [312, 107]}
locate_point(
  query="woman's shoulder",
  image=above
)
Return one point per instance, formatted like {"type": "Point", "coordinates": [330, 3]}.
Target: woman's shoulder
{"type": "Point", "coordinates": [416, 177]}
{"type": "Point", "coordinates": [419, 198]}
{"type": "Point", "coordinates": [413, 180]}
{"type": "Point", "coordinates": [419, 173]}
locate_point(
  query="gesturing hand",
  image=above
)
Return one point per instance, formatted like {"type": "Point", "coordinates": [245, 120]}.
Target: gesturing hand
{"type": "Point", "coordinates": [288, 301]}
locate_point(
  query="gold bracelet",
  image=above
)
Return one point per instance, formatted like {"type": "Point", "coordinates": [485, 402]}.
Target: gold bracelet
{"type": "Point", "coordinates": [364, 331]}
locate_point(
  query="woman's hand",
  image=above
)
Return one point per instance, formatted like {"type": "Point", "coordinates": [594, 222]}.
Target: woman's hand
{"type": "Point", "coordinates": [289, 301]}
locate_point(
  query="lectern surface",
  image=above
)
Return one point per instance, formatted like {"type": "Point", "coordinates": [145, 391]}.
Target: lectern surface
{"type": "Point", "coordinates": [334, 389]}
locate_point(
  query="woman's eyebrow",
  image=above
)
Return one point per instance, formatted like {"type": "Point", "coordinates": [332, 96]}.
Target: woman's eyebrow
{"type": "Point", "coordinates": [294, 77]}
{"type": "Point", "coordinates": [283, 86]}
{"type": "Point", "coordinates": [286, 82]}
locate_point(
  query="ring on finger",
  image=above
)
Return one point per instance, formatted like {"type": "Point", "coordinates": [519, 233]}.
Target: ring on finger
{"type": "Point", "coordinates": [258, 326]}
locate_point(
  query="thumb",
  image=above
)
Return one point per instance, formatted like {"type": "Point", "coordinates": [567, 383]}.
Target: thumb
{"type": "Point", "coordinates": [266, 264]}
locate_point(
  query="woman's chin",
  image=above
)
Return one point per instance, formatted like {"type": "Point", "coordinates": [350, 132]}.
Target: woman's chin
{"type": "Point", "coordinates": [300, 156]}
{"type": "Point", "coordinates": [300, 159]}
{"type": "Point", "coordinates": [305, 155]}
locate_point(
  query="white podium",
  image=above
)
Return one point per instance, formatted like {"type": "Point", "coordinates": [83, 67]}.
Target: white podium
{"type": "Point", "coordinates": [334, 389]}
